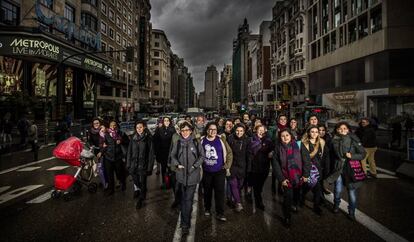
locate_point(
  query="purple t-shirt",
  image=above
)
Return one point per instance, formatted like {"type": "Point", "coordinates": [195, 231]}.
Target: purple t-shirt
{"type": "Point", "coordinates": [214, 160]}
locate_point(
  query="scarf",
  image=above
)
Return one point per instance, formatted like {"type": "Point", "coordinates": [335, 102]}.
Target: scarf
{"type": "Point", "coordinates": [95, 131]}
{"type": "Point", "coordinates": [256, 144]}
{"type": "Point", "coordinates": [293, 170]}
{"type": "Point", "coordinates": [281, 126]}
{"type": "Point", "coordinates": [114, 134]}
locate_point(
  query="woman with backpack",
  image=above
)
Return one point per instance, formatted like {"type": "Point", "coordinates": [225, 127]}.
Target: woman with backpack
{"type": "Point", "coordinates": [347, 150]}
{"type": "Point", "coordinates": [216, 167]}
{"type": "Point", "coordinates": [162, 143]}
{"type": "Point", "coordinates": [316, 164]}
{"type": "Point", "coordinates": [186, 158]}
{"type": "Point", "coordinates": [288, 165]}
{"type": "Point", "coordinates": [260, 154]}
{"type": "Point", "coordinates": [239, 144]}
{"type": "Point", "coordinates": [140, 160]}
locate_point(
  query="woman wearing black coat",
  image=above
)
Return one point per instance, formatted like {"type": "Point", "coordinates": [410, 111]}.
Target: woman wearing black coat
{"type": "Point", "coordinates": [140, 160]}
{"type": "Point", "coordinates": [239, 143]}
{"type": "Point", "coordinates": [162, 143]}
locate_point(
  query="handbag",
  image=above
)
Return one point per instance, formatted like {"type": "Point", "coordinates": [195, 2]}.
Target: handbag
{"type": "Point", "coordinates": [357, 173]}
{"type": "Point", "coordinates": [314, 176]}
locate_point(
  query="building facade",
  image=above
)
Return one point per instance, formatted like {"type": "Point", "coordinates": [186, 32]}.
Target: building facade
{"type": "Point", "coordinates": [288, 52]}
{"type": "Point", "coordinates": [210, 88]}
{"type": "Point", "coordinates": [360, 55]}
{"type": "Point", "coordinates": [226, 80]}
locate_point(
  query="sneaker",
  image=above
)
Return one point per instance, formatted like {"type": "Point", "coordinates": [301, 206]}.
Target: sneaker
{"type": "Point", "coordinates": [373, 176]}
{"type": "Point", "coordinates": [351, 217]}
{"type": "Point", "coordinates": [239, 207]}
{"type": "Point", "coordinates": [230, 203]}
{"type": "Point", "coordinates": [221, 218]}
{"type": "Point", "coordinates": [207, 213]}
{"type": "Point", "coordinates": [185, 231]}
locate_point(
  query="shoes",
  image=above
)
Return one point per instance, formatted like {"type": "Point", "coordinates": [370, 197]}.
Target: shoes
{"type": "Point", "coordinates": [231, 204]}
{"type": "Point", "coordinates": [260, 206]}
{"type": "Point", "coordinates": [351, 217]}
{"type": "Point", "coordinates": [287, 222]}
{"type": "Point", "coordinates": [221, 218]}
{"type": "Point", "coordinates": [185, 231]}
{"type": "Point", "coordinates": [109, 192]}
{"type": "Point", "coordinates": [373, 176]}
{"type": "Point", "coordinates": [335, 209]}
{"type": "Point", "coordinates": [317, 211]}
{"type": "Point", "coordinates": [239, 207]}
{"type": "Point", "coordinates": [137, 193]}
{"type": "Point", "coordinates": [207, 213]}
{"type": "Point", "coordinates": [139, 204]}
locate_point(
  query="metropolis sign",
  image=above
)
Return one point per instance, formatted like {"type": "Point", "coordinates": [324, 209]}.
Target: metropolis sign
{"type": "Point", "coordinates": [43, 48]}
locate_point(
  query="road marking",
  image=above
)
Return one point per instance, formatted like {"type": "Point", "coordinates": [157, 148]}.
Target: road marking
{"type": "Point", "coordinates": [386, 176]}
{"type": "Point", "coordinates": [18, 192]}
{"type": "Point", "coordinates": [3, 189]}
{"type": "Point", "coordinates": [25, 165]}
{"type": "Point", "coordinates": [57, 168]}
{"type": "Point", "coordinates": [386, 171]}
{"type": "Point", "coordinates": [30, 168]}
{"type": "Point", "coordinates": [369, 222]}
{"type": "Point", "coordinates": [191, 235]}
{"type": "Point", "coordinates": [41, 198]}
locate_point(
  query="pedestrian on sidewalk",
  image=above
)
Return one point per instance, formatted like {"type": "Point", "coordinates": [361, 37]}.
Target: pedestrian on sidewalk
{"type": "Point", "coordinates": [6, 131]}
{"type": "Point", "coordinates": [316, 165]}
{"type": "Point", "coordinates": [187, 156]}
{"type": "Point", "coordinates": [239, 144]}
{"type": "Point", "coordinates": [33, 139]}
{"type": "Point", "coordinates": [346, 146]}
{"type": "Point", "coordinates": [408, 126]}
{"type": "Point", "coordinates": [288, 166]}
{"type": "Point", "coordinates": [162, 142]}
{"type": "Point", "coordinates": [216, 167]}
{"type": "Point", "coordinates": [93, 137]}
{"type": "Point", "coordinates": [324, 134]}
{"type": "Point", "coordinates": [260, 154]}
{"type": "Point", "coordinates": [112, 156]}
{"type": "Point", "coordinates": [140, 160]}
{"type": "Point", "coordinates": [23, 126]}
{"type": "Point", "coordinates": [366, 133]}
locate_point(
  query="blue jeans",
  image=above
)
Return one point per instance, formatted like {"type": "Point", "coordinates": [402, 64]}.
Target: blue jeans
{"type": "Point", "coordinates": [351, 195]}
{"type": "Point", "coordinates": [187, 195]}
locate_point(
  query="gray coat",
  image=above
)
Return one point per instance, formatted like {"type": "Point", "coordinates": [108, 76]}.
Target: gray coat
{"type": "Point", "coordinates": [190, 154]}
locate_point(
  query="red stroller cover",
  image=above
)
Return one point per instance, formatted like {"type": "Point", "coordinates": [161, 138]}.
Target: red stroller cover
{"type": "Point", "coordinates": [69, 150]}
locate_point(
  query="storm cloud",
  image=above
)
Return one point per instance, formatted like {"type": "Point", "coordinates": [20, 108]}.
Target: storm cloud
{"type": "Point", "coordinates": [202, 31]}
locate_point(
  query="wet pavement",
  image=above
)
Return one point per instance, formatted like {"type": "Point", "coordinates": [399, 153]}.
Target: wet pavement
{"type": "Point", "coordinates": [93, 217]}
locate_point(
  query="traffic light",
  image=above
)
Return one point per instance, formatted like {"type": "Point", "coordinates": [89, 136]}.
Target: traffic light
{"type": "Point", "coordinates": [129, 54]}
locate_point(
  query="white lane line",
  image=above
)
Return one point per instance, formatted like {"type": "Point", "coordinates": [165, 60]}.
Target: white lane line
{"type": "Point", "coordinates": [18, 192]}
{"type": "Point", "coordinates": [25, 165]}
{"type": "Point", "coordinates": [369, 222]}
{"type": "Point", "coordinates": [57, 168]}
{"type": "Point", "coordinates": [41, 198]}
{"type": "Point", "coordinates": [191, 235]}
{"type": "Point", "coordinates": [5, 188]}
{"type": "Point", "coordinates": [386, 176]}
{"type": "Point", "coordinates": [386, 171]}
{"type": "Point", "coordinates": [30, 168]}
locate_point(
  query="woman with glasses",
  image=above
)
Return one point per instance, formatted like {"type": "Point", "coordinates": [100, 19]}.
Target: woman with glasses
{"type": "Point", "coordinates": [316, 164]}
{"type": "Point", "coordinates": [216, 167]}
{"type": "Point", "coordinates": [186, 159]}
{"type": "Point", "coordinates": [93, 134]}
{"type": "Point", "coordinates": [140, 160]}
{"type": "Point", "coordinates": [346, 147]}
{"type": "Point", "coordinates": [260, 154]}
{"type": "Point", "coordinates": [162, 143]}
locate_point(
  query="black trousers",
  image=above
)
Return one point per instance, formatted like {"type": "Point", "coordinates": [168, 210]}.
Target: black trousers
{"type": "Point", "coordinates": [258, 180]}
{"type": "Point", "coordinates": [187, 195]}
{"type": "Point", "coordinates": [112, 167]}
{"type": "Point", "coordinates": [290, 198]}
{"type": "Point", "coordinates": [141, 182]}
{"type": "Point", "coordinates": [317, 193]}
{"type": "Point", "coordinates": [35, 149]}
{"type": "Point", "coordinates": [214, 181]}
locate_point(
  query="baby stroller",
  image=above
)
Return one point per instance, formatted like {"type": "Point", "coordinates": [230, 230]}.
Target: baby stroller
{"type": "Point", "coordinates": [72, 151]}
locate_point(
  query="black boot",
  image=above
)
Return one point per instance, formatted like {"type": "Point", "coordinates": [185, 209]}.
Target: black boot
{"type": "Point", "coordinates": [139, 204]}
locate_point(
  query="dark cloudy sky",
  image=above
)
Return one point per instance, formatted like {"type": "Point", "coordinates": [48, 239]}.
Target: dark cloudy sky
{"type": "Point", "coordinates": [202, 31]}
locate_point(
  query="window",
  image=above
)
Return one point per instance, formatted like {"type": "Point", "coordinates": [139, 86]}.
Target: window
{"type": "Point", "coordinates": [129, 32]}
{"type": "Point", "coordinates": [352, 31]}
{"type": "Point", "coordinates": [69, 13]}
{"type": "Point", "coordinates": [118, 38]}
{"type": "Point", "coordinates": [376, 20]}
{"type": "Point", "coordinates": [156, 72]}
{"type": "Point", "coordinates": [111, 33]}
{"type": "Point", "coordinates": [124, 43]}
{"type": "Point", "coordinates": [157, 44]}
{"type": "Point", "coordinates": [89, 21]}
{"type": "Point", "coordinates": [129, 18]}
{"type": "Point", "coordinates": [156, 53]}
{"type": "Point", "coordinates": [156, 93]}
{"type": "Point", "coordinates": [124, 12]}
{"type": "Point", "coordinates": [156, 82]}
{"type": "Point", "coordinates": [10, 13]}
{"type": "Point", "coordinates": [103, 47]}
{"type": "Point", "coordinates": [118, 22]}
{"type": "Point", "coordinates": [103, 27]}
{"type": "Point", "coordinates": [105, 91]}
{"type": "Point", "coordinates": [103, 8]}
{"type": "Point", "coordinates": [156, 63]}
{"type": "Point", "coordinates": [157, 36]}
{"type": "Point", "coordinates": [111, 15]}
{"type": "Point", "coordinates": [362, 26]}
{"type": "Point", "coordinates": [47, 3]}
{"type": "Point", "coordinates": [124, 27]}
{"type": "Point", "coordinates": [91, 2]}
{"type": "Point", "coordinates": [111, 54]}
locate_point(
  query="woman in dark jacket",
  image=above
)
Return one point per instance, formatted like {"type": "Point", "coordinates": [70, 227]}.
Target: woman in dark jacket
{"type": "Point", "coordinates": [94, 139]}
{"type": "Point", "coordinates": [287, 162]}
{"type": "Point", "coordinates": [140, 160]}
{"type": "Point", "coordinates": [162, 143]}
{"type": "Point", "coordinates": [366, 133]}
{"type": "Point", "coordinates": [346, 146]}
{"type": "Point", "coordinates": [260, 154]}
{"type": "Point", "coordinates": [324, 134]}
{"type": "Point", "coordinates": [112, 156]}
{"type": "Point", "coordinates": [316, 164]}
{"type": "Point", "coordinates": [239, 143]}
{"type": "Point", "coordinates": [187, 156]}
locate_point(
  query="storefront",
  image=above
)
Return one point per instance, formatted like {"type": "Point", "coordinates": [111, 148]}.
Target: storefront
{"type": "Point", "coordinates": [30, 63]}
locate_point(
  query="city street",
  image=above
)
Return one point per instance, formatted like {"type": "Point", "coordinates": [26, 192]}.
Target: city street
{"type": "Point", "coordinates": [28, 213]}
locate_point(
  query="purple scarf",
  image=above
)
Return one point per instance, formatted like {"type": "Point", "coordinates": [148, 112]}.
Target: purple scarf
{"type": "Point", "coordinates": [290, 157]}
{"type": "Point", "coordinates": [114, 134]}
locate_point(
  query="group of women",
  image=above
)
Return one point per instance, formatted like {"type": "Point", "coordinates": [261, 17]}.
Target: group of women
{"type": "Point", "coordinates": [232, 156]}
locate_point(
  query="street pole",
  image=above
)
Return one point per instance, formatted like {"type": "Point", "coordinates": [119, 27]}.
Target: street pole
{"type": "Point", "coordinates": [127, 92]}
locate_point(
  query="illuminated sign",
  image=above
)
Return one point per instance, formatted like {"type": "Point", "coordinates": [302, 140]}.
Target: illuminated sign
{"type": "Point", "coordinates": [34, 48]}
